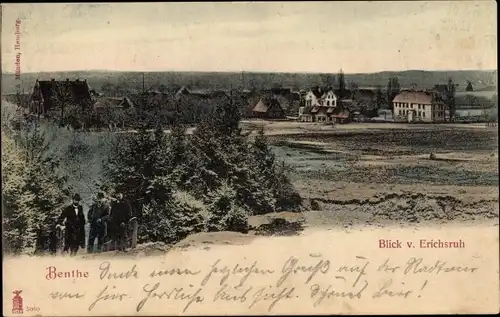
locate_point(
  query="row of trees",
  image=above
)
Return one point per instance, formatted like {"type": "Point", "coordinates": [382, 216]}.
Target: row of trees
{"type": "Point", "coordinates": [151, 110]}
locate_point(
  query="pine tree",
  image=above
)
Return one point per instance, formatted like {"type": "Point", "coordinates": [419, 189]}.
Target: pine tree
{"type": "Point", "coordinates": [449, 98]}
{"type": "Point", "coordinates": [393, 89]}
{"type": "Point", "coordinates": [469, 86]}
{"type": "Point", "coordinates": [342, 85]}
{"type": "Point", "coordinates": [273, 177]}
{"type": "Point", "coordinates": [264, 166]}
{"type": "Point", "coordinates": [173, 220]}
{"type": "Point", "coordinates": [33, 193]}
{"type": "Point", "coordinates": [137, 169]}
{"type": "Point", "coordinates": [178, 153]}
{"type": "Point", "coordinates": [224, 212]}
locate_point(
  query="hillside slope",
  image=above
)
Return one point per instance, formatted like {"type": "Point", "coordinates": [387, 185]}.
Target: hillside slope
{"type": "Point", "coordinates": [224, 80]}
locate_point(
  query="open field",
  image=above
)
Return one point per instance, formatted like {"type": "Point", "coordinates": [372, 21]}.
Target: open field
{"type": "Point", "coordinates": [376, 173]}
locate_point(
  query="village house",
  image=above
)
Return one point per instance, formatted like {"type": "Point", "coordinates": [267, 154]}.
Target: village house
{"type": "Point", "coordinates": [319, 106]}
{"type": "Point", "coordinates": [45, 93]}
{"type": "Point", "coordinates": [268, 108]}
{"type": "Point", "coordinates": [321, 98]}
{"type": "Point", "coordinates": [113, 110]}
{"type": "Point", "coordinates": [200, 93]}
{"type": "Point", "coordinates": [410, 105]}
{"type": "Point", "coordinates": [113, 103]}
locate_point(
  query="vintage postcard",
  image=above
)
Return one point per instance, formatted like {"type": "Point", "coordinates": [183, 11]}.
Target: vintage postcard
{"type": "Point", "coordinates": [271, 158]}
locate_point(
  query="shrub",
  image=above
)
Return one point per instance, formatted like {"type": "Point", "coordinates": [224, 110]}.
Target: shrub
{"type": "Point", "coordinates": [224, 211]}
{"type": "Point", "coordinates": [172, 180]}
{"type": "Point", "coordinates": [33, 193]}
{"type": "Point", "coordinates": [173, 220]}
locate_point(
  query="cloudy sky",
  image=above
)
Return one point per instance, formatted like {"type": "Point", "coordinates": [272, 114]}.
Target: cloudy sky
{"type": "Point", "coordinates": [287, 37]}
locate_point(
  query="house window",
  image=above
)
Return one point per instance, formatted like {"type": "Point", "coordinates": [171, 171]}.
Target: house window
{"type": "Point", "coordinates": [423, 114]}
{"type": "Point", "coordinates": [328, 103]}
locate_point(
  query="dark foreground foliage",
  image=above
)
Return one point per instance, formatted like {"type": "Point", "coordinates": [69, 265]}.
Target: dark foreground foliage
{"type": "Point", "coordinates": [211, 180]}
{"type": "Point", "coordinates": [33, 192]}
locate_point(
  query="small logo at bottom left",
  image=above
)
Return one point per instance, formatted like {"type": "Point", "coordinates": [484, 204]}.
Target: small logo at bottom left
{"type": "Point", "coordinates": [17, 302]}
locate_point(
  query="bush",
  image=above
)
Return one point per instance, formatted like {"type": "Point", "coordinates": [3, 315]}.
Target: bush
{"type": "Point", "coordinates": [224, 211]}
{"type": "Point", "coordinates": [33, 193]}
{"type": "Point", "coordinates": [217, 174]}
{"type": "Point", "coordinates": [174, 220]}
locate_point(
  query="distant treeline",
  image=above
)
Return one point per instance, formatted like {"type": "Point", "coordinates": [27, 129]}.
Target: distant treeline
{"type": "Point", "coordinates": [225, 80]}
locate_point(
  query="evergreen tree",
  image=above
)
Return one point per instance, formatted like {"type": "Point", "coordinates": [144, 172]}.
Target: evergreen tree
{"type": "Point", "coordinates": [173, 220]}
{"type": "Point", "coordinates": [342, 85]}
{"type": "Point", "coordinates": [137, 169]}
{"type": "Point", "coordinates": [224, 212]}
{"type": "Point", "coordinates": [264, 165]}
{"type": "Point", "coordinates": [378, 103]}
{"type": "Point", "coordinates": [393, 89]}
{"type": "Point", "coordinates": [224, 176]}
{"type": "Point", "coordinates": [33, 193]}
{"type": "Point", "coordinates": [145, 168]}
{"type": "Point", "coordinates": [469, 86]}
{"type": "Point", "coordinates": [449, 98]}
{"type": "Point", "coordinates": [327, 81]}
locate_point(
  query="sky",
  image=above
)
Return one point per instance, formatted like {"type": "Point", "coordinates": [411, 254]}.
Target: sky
{"type": "Point", "coordinates": [324, 37]}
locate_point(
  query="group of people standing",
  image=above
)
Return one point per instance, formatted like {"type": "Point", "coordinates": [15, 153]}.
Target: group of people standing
{"type": "Point", "coordinates": [106, 219]}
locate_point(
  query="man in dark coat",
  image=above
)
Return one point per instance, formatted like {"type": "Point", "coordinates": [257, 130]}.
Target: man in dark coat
{"type": "Point", "coordinates": [74, 220]}
{"type": "Point", "coordinates": [121, 212]}
{"type": "Point", "coordinates": [97, 218]}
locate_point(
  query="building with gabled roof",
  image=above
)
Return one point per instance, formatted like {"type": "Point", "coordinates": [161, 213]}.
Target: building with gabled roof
{"type": "Point", "coordinates": [318, 106]}
{"type": "Point", "coordinates": [201, 93]}
{"type": "Point", "coordinates": [113, 103]}
{"type": "Point", "coordinates": [47, 92]}
{"type": "Point", "coordinates": [268, 107]}
{"type": "Point", "coordinates": [414, 105]}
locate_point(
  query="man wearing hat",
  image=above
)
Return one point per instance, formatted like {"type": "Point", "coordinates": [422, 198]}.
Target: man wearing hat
{"type": "Point", "coordinates": [97, 218]}
{"type": "Point", "coordinates": [121, 212]}
{"type": "Point", "coordinates": [74, 220]}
